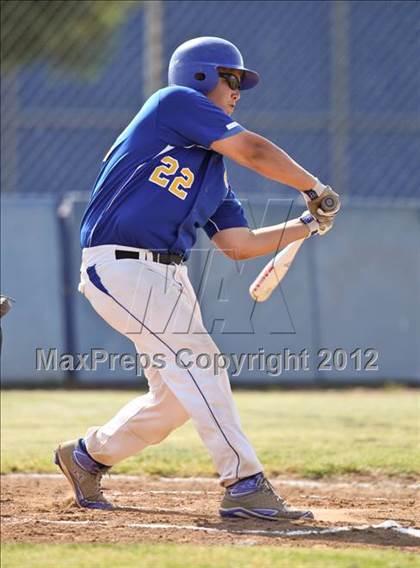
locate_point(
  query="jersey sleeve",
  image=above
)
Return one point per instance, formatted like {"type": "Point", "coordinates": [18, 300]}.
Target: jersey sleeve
{"type": "Point", "coordinates": [188, 117]}
{"type": "Point", "coordinates": [229, 214]}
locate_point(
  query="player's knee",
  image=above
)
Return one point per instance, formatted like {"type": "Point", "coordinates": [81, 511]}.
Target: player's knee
{"type": "Point", "coordinates": [172, 422]}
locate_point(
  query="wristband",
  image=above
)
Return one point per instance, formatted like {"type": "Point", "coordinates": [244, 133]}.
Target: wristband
{"type": "Point", "coordinates": [310, 221]}
{"type": "Point", "coordinates": [315, 191]}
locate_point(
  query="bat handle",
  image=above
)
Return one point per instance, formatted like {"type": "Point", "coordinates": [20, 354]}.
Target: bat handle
{"type": "Point", "coordinates": [329, 204]}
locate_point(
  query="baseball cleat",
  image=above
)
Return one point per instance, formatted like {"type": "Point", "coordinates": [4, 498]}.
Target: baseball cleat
{"type": "Point", "coordinates": [83, 474]}
{"type": "Point", "coordinates": [255, 497]}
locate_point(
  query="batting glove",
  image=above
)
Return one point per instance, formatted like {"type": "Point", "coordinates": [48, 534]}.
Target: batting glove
{"type": "Point", "coordinates": [5, 305]}
{"type": "Point", "coordinates": [313, 198]}
{"type": "Point", "coordinates": [316, 226]}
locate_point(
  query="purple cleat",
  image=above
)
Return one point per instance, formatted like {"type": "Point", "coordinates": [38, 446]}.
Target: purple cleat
{"type": "Point", "coordinates": [255, 497]}
{"type": "Point", "coordinates": [84, 475]}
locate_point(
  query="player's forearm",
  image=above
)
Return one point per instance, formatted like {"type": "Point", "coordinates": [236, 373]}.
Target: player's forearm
{"type": "Point", "coordinates": [272, 162]}
{"type": "Point", "coordinates": [272, 239]}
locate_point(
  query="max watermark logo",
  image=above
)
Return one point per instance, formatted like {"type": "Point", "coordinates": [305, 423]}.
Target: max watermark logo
{"type": "Point", "coordinates": [221, 282]}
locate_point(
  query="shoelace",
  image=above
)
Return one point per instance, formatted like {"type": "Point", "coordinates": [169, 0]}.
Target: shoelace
{"type": "Point", "coordinates": [82, 475]}
{"type": "Point", "coordinates": [98, 479]}
{"type": "Point", "coordinates": [268, 488]}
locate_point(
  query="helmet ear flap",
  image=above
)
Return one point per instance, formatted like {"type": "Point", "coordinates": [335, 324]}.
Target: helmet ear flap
{"type": "Point", "coordinates": [202, 77]}
{"type": "Point", "coordinates": [206, 79]}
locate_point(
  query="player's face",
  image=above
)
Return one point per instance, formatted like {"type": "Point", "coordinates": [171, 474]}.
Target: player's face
{"type": "Point", "coordinates": [223, 95]}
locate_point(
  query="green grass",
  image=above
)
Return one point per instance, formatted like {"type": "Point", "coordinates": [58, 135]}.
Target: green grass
{"type": "Point", "coordinates": [182, 556]}
{"type": "Point", "coordinates": [307, 433]}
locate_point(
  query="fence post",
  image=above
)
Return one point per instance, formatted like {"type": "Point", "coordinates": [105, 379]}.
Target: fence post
{"type": "Point", "coordinates": [153, 47]}
{"type": "Point", "coordinates": [339, 114]}
{"type": "Point", "coordinates": [64, 207]}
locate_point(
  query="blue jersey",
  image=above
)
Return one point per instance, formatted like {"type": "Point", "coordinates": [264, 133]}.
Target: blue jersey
{"type": "Point", "coordinates": [160, 181]}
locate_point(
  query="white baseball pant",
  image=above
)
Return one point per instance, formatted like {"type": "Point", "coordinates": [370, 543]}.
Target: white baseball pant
{"type": "Point", "coordinates": [155, 306]}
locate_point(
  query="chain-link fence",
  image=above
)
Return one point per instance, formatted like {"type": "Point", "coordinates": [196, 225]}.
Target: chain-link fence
{"type": "Point", "coordinates": [340, 90]}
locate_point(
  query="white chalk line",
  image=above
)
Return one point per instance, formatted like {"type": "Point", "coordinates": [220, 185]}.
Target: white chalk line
{"type": "Point", "coordinates": [163, 492]}
{"type": "Point", "coordinates": [389, 525]}
{"type": "Point", "coordinates": [304, 483]}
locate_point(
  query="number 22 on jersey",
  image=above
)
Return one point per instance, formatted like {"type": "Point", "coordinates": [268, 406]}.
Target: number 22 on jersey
{"type": "Point", "coordinates": [163, 174]}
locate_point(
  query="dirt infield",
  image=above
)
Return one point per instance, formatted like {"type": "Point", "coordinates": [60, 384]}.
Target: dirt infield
{"type": "Point", "coordinates": [348, 512]}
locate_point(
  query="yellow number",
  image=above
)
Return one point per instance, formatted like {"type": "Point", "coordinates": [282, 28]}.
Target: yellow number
{"type": "Point", "coordinates": [185, 180]}
{"type": "Point", "coordinates": [170, 167]}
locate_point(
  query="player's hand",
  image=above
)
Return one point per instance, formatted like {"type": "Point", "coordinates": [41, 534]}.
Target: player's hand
{"type": "Point", "coordinates": [5, 305]}
{"type": "Point", "coordinates": [313, 203]}
{"type": "Point", "coordinates": [316, 226]}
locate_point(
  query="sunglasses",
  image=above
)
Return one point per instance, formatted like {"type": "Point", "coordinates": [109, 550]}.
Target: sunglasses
{"type": "Point", "coordinates": [232, 80]}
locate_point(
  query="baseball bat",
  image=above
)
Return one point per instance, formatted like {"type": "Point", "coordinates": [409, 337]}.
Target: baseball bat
{"type": "Point", "coordinates": [276, 269]}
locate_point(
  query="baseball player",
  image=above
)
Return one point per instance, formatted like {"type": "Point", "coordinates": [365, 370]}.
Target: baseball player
{"type": "Point", "coordinates": [163, 178]}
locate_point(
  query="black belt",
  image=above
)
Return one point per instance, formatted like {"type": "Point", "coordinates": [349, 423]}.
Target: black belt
{"type": "Point", "coordinates": [162, 257]}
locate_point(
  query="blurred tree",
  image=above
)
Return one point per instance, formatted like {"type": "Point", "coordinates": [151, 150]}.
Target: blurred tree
{"type": "Point", "coordinates": [74, 34]}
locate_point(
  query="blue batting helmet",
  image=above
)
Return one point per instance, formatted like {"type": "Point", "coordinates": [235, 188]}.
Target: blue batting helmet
{"type": "Point", "coordinates": [195, 64]}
